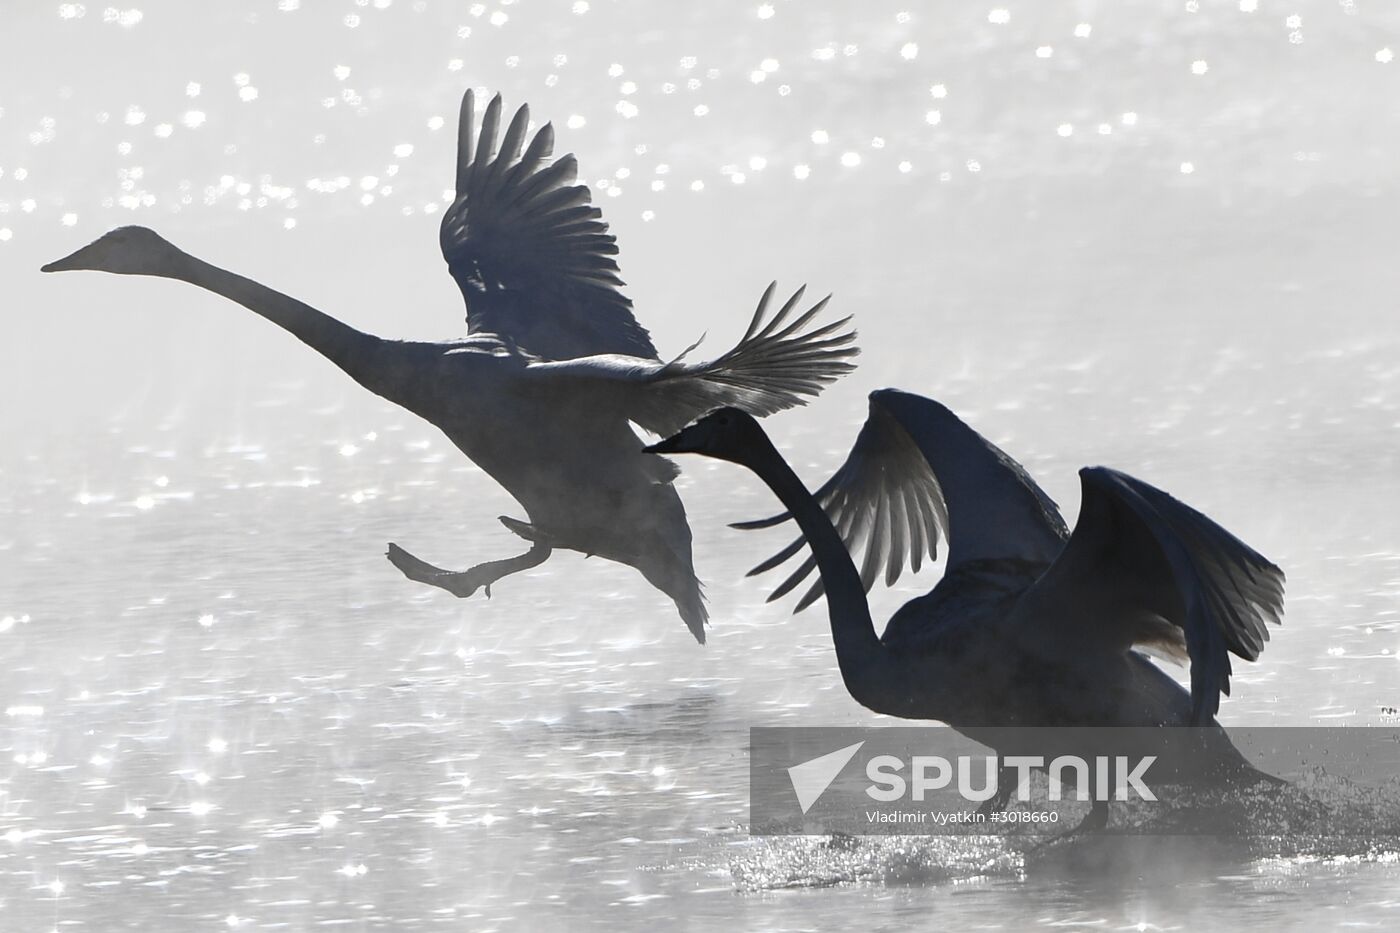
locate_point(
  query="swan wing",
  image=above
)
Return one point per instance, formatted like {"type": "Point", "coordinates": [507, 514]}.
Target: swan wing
{"type": "Point", "coordinates": [884, 501]}
{"type": "Point", "coordinates": [531, 254]}
{"type": "Point", "coordinates": [779, 362]}
{"type": "Point", "coordinates": [1143, 568]}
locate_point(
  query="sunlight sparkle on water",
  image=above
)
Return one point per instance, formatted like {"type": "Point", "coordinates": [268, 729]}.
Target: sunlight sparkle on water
{"type": "Point", "coordinates": [124, 18]}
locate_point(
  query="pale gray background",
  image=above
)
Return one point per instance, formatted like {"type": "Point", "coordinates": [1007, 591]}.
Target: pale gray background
{"type": "Point", "coordinates": [224, 709]}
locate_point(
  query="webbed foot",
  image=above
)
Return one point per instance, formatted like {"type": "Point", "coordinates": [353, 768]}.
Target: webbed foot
{"type": "Point", "coordinates": [459, 583]}
{"type": "Point", "coordinates": [466, 582]}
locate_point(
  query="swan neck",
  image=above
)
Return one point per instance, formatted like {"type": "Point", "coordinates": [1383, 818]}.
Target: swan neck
{"type": "Point", "coordinates": [354, 351]}
{"type": "Point", "coordinates": [858, 648]}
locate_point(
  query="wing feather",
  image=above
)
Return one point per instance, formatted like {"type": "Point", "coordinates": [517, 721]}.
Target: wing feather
{"type": "Point", "coordinates": [1139, 557]}
{"type": "Point", "coordinates": [772, 368]}
{"type": "Point", "coordinates": [531, 254]}
{"type": "Point", "coordinates": [885, 503]}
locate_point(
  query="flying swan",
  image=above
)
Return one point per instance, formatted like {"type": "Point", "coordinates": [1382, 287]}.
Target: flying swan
{"type": "Point", "coordinates": [1030, 625]}
{"type": "Point", "coordinates": [554, 366]}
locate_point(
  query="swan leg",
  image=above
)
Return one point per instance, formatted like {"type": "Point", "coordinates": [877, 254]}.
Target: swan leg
{"type": "Point", "coordinates": [464, 583]}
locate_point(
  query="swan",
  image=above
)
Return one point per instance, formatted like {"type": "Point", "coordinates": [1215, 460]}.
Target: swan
{"type": "Point", "coordinates": [1030, 625]}
{"type": "Point", "coordinates": [540, 391]}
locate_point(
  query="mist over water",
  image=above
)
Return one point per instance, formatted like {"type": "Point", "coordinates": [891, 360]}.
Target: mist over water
{"type": "Point", "coordinates": [1156, 236]}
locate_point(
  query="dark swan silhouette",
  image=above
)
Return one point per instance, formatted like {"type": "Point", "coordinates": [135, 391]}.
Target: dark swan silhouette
{"type": "Point", "coordinates": [540, 392]}
{"type": "Point", "coordinates": [1030, 625]}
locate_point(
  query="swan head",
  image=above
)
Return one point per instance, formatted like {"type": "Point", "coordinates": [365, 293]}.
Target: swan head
{"type": "Point", "coordinates": [125, 250]}
{"type": "Point", "coordinates": [725, 434]}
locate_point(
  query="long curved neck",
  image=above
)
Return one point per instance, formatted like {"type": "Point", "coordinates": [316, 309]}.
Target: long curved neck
{"type": "Point", "coordinates": [863, 659]}
{"type": "Point", "coordinates": [343, 345]}
{"type": "Point", "coordinates": [386, 367]}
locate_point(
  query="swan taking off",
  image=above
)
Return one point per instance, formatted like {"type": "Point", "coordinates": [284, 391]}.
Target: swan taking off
{"type": "Point", "coordinates": [540, 392]}
{"type": "Point", "coordinates": [1030, 625]}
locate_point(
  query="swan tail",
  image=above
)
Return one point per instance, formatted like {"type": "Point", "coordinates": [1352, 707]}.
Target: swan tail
{"type": "Point", "coordinates": [693, 612]}
{"type": "Point", "coordinates": [672, 575]}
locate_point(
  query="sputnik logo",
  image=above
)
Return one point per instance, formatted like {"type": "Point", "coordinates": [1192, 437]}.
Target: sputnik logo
{"type": "Point", "coordinates": [811, 778]}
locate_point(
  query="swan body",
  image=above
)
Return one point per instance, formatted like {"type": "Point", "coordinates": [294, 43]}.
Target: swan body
{"type": "Point", "coordinates": [1030, 625]}
{"type": "Point", "coordinates": [541, 390]}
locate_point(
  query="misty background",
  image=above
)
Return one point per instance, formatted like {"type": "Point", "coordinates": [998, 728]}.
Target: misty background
{"type": "Point", "coordinates": [1158, 236]}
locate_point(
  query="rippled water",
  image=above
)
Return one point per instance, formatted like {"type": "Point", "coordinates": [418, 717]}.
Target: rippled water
{"type": "Point", "coordinates": [224, 708]}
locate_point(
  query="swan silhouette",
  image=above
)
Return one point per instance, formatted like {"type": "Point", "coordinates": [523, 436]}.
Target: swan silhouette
{"type": "Point", "coordinates": [554, 366]}
{"type": "Point", "coordinates": [1029, 626]}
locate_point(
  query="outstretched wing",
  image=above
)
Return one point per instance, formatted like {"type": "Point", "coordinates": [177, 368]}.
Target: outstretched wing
{"type": "Point", "coordinates": [531, 254]}
{"type": "Point", "coordinates": [1144, 568]}
{"type": "Point", "coordinates": [914, 461]}
{"type": "Point", "coordinates": [884, 500]}
{"type": "Point", "coordinates": [776, 365]}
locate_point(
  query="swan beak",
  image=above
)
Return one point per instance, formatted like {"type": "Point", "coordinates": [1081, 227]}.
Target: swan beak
{"type": "Point", "coordinates": [675, 444]}
{"type": "Point", "coordinates": [66, 264]}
